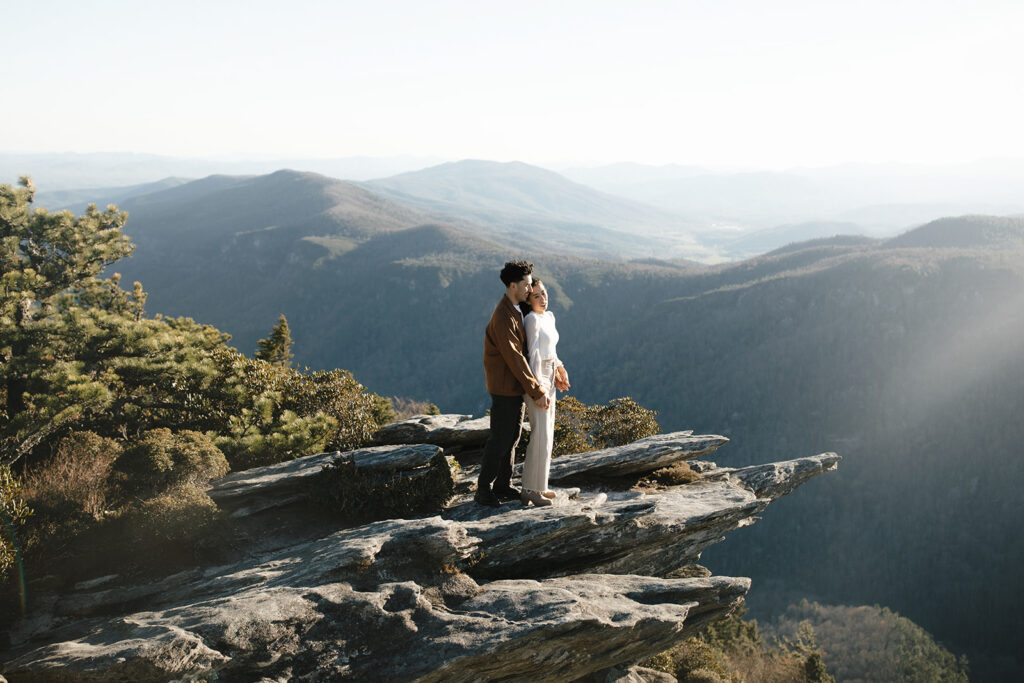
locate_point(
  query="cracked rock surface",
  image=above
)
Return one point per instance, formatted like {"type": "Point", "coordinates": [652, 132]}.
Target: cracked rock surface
{"type": "Point", "coordinates": [584, 589]}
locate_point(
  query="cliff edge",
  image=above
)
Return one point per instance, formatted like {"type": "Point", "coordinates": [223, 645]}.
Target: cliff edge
{"type": "Point", "coordinates": [581, 590]}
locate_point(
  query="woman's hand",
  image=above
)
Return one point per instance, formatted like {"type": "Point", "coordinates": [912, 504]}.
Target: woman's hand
{"type": "Point", "coordinates": [561, 378]}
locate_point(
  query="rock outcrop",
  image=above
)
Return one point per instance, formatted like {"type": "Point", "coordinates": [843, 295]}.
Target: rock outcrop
{"type": "Point", "coordinates": [585, 588]}
{"type": "Point", "coordinates": [447, 430]}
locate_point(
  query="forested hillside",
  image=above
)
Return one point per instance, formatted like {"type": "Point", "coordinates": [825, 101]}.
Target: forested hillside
{"type": "Point", "coordinates": [903, 356]}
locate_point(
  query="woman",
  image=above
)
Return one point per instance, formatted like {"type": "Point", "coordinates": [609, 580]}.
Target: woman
{"type": "Point", "coordinates": [541, 339]}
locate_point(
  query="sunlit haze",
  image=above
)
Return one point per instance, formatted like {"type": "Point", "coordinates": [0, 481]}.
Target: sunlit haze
{"type": "Point", "coordinates": [728, 83]}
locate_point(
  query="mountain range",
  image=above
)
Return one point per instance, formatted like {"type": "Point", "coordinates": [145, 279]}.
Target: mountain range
{"type": "Point", "coordinates": [70, 171]}
{"type": "Point", "coordinates": [616, 211]}
{"type": "Point", "coordinates": [902, 354]}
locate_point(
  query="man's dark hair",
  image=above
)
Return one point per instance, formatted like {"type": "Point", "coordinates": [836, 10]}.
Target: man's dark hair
{"type": "Point", "coordinates": [514, 271]}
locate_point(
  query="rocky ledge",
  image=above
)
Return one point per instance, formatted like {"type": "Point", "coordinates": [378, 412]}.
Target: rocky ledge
{"type": "Point", "coordinates": [581, 590]}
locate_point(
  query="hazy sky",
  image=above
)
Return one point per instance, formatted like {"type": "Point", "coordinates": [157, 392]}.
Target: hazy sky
{"type": "Point", "coordinates": [717, 82]}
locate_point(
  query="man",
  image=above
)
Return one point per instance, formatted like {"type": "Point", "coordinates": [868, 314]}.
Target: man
{"type": "Point", "coordinates": [508, 378]}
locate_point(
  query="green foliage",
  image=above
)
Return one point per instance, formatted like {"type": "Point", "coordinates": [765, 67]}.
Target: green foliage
{"type": "Point", "coordinates": [162, 459]}
{"type": "Point", "coordinates": [335, 393]}
{"type": "Point", "coordinates": [48, 266]}
{"type": "Point", "coordinates": [261, 436]}
{"type": "Point", "coordinates": [80, 355]}
{"type": "Point", "coordinates": [580, 428]}
{"type": "Point", "coordinates": [165, 533]}
{"type": "Point", "coordinates": [13, 512]}
{"type": "Point", "coordinates": [872, 644]}
{"type": "Point", "coordinates": [732, 649]}
{"type": "Point", "coordinates": [119, 417]}
{"type": "Point", "coordinates": [356, 494]}
{"type": "Point", "coordinates": [695, 660]}
{"type": "Point", "coordinates": [572, 427]}
{"type": "Point", "coordinates": [277, 348]}
{"type": "Point", "coordinates": [622, 421]}
{"type": "Point", "coordinates": [274, 413]}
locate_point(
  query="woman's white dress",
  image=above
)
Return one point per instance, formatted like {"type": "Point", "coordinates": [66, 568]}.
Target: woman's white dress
{"type": "Point", "coordinates": [541, 340]}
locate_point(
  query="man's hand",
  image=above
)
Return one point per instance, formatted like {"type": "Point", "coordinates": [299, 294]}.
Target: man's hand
{"type": "Point", "coordinates": [543, 402]}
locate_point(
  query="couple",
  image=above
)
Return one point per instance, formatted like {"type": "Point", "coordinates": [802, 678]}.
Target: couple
{"type": "Point", "coordinates": [520, 365]}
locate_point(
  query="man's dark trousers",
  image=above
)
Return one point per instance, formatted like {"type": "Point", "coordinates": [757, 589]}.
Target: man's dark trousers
{"type": "Point", "coordinates": [500, 451]}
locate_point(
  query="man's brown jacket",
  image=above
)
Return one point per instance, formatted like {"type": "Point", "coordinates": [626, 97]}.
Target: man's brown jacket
{"type": "Point", "coordinates": [508, 373]}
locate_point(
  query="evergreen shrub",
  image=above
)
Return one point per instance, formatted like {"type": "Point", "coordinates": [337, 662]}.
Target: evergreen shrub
{"type": "Point", "coordinates": [336, 393]}
{"type": "Point", "coordinates": [580, 428]}
{"type": "Point", "coordinates": [274, 413]}
{"type": "Point", "coordinates": [572, 427]}
{"type": "Point", "coordinates": [162, 459]}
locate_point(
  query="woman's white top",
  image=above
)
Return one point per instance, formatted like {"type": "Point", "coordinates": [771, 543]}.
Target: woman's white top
{"type": "Point", "coordinates": [541, 339]}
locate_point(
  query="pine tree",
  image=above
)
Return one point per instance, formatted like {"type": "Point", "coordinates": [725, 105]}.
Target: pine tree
{"type": "Point", "coordinates": [48, 264]}
{"type": "Point", "coordinates": [76, 351]}
{"type": "Point", "coordinates": [276, 349]}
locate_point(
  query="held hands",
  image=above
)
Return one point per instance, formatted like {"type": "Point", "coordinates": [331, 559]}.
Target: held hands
{"type": "Point", "coordinates": [561, 379]}
{"type": "Point", "coordinates": [561, 383]}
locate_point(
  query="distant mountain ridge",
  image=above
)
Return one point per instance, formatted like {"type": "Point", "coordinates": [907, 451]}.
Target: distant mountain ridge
{"type": "Point", "coordinates": [521, 188]}
{"type": "Point", "coordinates": [71, 171]}
{"type": "Point", "coordinates": [964, 232]}
{"type": "Point", "coordinates": [543, 209]}
{"type": "Point", "coordinates": [78, 199]}
{"type": "Point", "coordinates": [883, 199]}
{"type": "Point", "coordinates": [719, 208]}
{"type": "Point", "coordinates": [285, 200]}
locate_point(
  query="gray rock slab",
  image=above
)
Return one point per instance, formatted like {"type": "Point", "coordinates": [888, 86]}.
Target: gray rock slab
{"type": "Point", "coordinates": [262, 488]}
{"type": "Point", "coordinates": [620, 532]}
{"type": "Point", "coordinates": [444, 430]}
{"type": "Point", "coordinates": [776, 479]}
{"type": "Point", "coordinates": [553, 593]}
{"type": "Point", "coordinates": [645, 455]}
{"type": "Point", "coordinates": [553, 630]}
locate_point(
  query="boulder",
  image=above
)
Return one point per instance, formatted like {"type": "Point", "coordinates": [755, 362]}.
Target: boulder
{"type": "Point", "coordinates": [262, 488]}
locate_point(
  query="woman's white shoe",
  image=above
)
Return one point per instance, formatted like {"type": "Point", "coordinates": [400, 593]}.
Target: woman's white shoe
{"type": "Point", "coordinates": [535, 497]}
